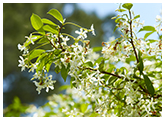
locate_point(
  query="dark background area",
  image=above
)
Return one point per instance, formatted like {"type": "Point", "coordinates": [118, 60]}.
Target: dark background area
{"type": "Point", "coordinates": [16, 25]}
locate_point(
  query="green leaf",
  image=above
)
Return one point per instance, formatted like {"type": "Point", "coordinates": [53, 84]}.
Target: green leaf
{"type": "Point", "coordinates": [35, 53]}
{"type": "Point", "coordinates": [84, 107]}
{"type": "Point", "coordinates": [121, 10]}
{"type": "Point", "coordinates": [149, 85]}
{"type": "Point", "coordinates": [41, 31]}
{"type": "Point", "coordinates": [128, 6]}
{"type": "Point", "coordinates": [71, 80]}
{"type": "Point", "coordinates": [147, 28]}
{"type": "Point", "coordinates": [152, 41]}
{"type": "Point", "coordinates": [36, 21]}
{"type": "Point", "coordinates": [111, 68]}
{"type": "Point", "coordinates": [115, 29]}
{"type": "Point", "coordinates": [42, 62]}
{"type": "Point", "coordinates": [112, 80]}
{"type": "Point", "coordinates": [140, 65]}
{"type": "Point", "coordinates": [137, 16]}
{"type": "Point", "coordinates": [46, 21]}
{"type": "Point", "coordinates": [64, 87]}
{"type": "Point", "coordinates": [57, 69]}
{"type": "Point", "coordinates": [47, 67]}
{"type": "Point", "coordinates": [50, 29]}
{"type": "Point", "coordinates": [148, 34]}
{"type": "Point", "coordinates": [119, 20]}
{"type": "Point", "coordinates": [43, 40]}
{"type": "Point", "coordinates": [88, 64]}
{"type": "Point", "coordinates": [57, 52]}
{"type": "Point", "coordinates": [131, 58]}
{"type": "Point", "coordinates": [56, 14]}
{"type": "Point", "coordinates": [98, 60]}
{"type": "Point", "coordinates": [101, 65]}
{"type": "Point", "coordinates": [64, 71]}
{"type": "Point", "coordinates": [96, 49]}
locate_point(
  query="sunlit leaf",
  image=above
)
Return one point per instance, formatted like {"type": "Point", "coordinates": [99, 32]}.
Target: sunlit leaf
{"type": "Point", "coordinates": [84, 107]}
{"type": "Point", "coordinates": [147, 28]}
{"type": "Point", "coordinates": [137, 16]}
{"type": "Point", "coordinates": [148, 34]}
{"type": "Point", "coordinates": [46, 21]}
{"type": "Point", "coordinates": [56, 14]}
{"type": "Point", "coordinates": [35, 53]}
{"type": "Point", "coordinates": [98, 60]}
{"type": "Point", "coordinates": [50, 29]}
{"type": "Point", "coordinates": [96, 49]}
{"type": "Point", "coordinates": [64, 87]}
{"type": "Point", "coordinates": [36, 21]}
{"type": "Point", "coordinates": [88, 64]}
{"type": "Point", "coordinates": [128, 6]}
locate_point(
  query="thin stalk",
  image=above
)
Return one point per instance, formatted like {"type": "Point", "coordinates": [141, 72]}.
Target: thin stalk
{"type": "Point", "coordinates": [132, 37]}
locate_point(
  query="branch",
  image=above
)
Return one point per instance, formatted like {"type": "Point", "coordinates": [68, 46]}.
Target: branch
{"type": "Point", "coordinates": [59, 38]}
{"type": "Point", "coordinates": [132, 37]}
{"type": "Point", "coordinates": [52, 44]}
{"type": "Point", "coordinates": [104, 72]}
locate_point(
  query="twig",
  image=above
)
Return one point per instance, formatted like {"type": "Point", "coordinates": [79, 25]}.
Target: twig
{"type": "Point", "coordinates": [59, 37]}
{"type": "Point", "coordinates": [132, 37]}
{"type": "Point", "coordinates": [52, 44]}
{"type": "Point", "coordinates": [104, 72]}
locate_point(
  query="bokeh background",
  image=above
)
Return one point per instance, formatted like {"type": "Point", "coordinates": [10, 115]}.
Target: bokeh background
{"type": "Point", "coordinates": [16, 25]}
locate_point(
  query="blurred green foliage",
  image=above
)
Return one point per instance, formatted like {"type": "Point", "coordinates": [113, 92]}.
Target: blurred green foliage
{"type": "Point", "coordinates": [15, 109]}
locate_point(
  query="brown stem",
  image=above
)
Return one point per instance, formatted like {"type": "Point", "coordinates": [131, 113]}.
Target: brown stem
{"type": "Point", "coordinates": [104, 72]}
{"type": "Point", "coordinates": [52, 44]}
{"type": "Point", "coordinates": [59, 37]}
{"type": "Point", "coordinates": [132, 37]}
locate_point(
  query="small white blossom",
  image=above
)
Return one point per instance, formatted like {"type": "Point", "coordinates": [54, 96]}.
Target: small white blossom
{"type": "Point", "coordinates": [30, 38]}
{"type": "Point", "coordinates": [158, 18]}
{"type": "Point", "coordinates": [92, 28]}
{"type": "Point", "coordinates": [33, 67]}
{"type": "Point", "coordinates": [22, 63]}
{"type": "Point", "coordinates": [65, 40]}
{"type": "Point", "coordinates": [22, 47]}
{"type": "Point", "coordinates": [37, 75]}
{"type": "Point", "coordinates": [46, 83]}
{"type": "Point", "coordinates": [82, 34]}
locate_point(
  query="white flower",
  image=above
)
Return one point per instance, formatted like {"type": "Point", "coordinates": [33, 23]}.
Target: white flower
{"type": "Point", "coordinates": [49, 82]}
{"type": "Point", "coordinates": [22, 47]}
{"type": "Point", "coordinates": [39, 86]}
{"type": "Point", "coordinates": [37, 75]}
{"type": "Point", "coordinates": [33, 67]}
{"type": "Point", "coordinates": [158, 18]}
{"type": "Point", "coordinates": [65, 40]}
{"type": "Point", "coordinates": [82, 34]}
{"type": "Point", "coordinates": [30, 38]}
{"type": "Point", "coordinates": [22, 63]}
{"type": "Point", "coordinates": [92, 28]}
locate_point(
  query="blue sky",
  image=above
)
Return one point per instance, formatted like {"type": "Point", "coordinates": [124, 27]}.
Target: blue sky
{"type": "Point", "coordinates": [147, 11]}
